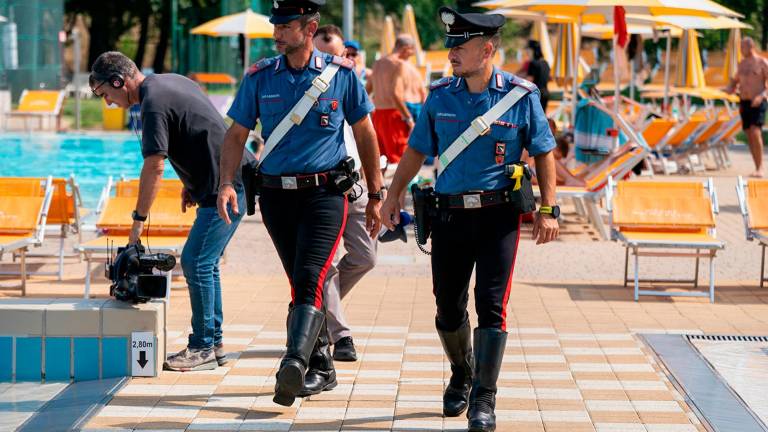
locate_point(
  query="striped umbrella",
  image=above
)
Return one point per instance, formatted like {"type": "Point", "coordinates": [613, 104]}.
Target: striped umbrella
{"type": "Point", "coordinates": [408, 27]}
{"type": "Point", "coordinates": [566, 53]}
{"type": "Point", "coordinates": [540, 34]}
{"type": "Point", "coordinates": [690, 72]}
{"type": "Point", "coordinates": [387, 37]}
{"type": "Point", "coordinates": [732, 54]}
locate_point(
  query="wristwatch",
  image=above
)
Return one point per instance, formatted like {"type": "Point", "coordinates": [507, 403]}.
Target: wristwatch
{"type": "Point", "coordinates": [137, 217]}
{"type": "Point", "coordinates": [553, 211]}
{"type": "Point", "coordinates": [376, 195]}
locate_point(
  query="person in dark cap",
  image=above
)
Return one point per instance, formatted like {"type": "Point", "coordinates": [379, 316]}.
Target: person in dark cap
{"type": "Point", "coordinates": [477, 123]}
{"type": "Point", "coordinates": [353, 52]}
{"type": "Point", "coordinates": [302, 99]}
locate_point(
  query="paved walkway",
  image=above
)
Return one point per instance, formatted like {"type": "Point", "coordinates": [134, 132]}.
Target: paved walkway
{"type": "Point", "coordinates": [573, 360]}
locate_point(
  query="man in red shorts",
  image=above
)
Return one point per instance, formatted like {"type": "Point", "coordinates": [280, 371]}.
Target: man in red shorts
{"type": "Point", "coordinates": [392, 119]}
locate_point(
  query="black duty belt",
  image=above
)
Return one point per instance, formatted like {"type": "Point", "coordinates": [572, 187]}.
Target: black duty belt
{"type": "Point", "coordinates": [301, 181]}
{"type": "Point", "coordinates": [473, 200]}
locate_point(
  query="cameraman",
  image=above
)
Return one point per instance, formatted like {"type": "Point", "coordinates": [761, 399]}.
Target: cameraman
{"type": "Point", "coordinates": [181, 124]}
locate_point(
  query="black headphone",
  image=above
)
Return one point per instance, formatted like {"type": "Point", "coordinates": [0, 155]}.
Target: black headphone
{"type": "Point", "coordinates": [115, 79]}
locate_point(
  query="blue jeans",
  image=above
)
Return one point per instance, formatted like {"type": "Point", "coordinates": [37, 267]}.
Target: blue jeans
{"type": "Point", "coordinates": [200, 262]}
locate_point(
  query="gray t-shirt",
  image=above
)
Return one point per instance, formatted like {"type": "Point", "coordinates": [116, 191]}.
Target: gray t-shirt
{"type": "Point", "coordinates": [180, 123]}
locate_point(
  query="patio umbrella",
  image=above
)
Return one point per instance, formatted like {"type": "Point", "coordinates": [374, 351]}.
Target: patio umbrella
{"type": "Point", "coordinates": [408, 26]}
{"type": "Point", "coordinates": [566, 65]}
{"type": "Point", "coordinates": [732, 54]}
{"type": "Point", "coordinates": [690, 72]}
{"type": "Point", "coordinates": [249, 24]}
{"type": "Point", "coordinates": [387, 37]}
{"type": "Point", "coordinates": [604, 8]}
{"type": "Point", "coordinates": [540, 33]}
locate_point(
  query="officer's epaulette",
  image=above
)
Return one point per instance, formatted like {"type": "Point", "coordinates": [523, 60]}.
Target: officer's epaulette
{"type": "Point", "coordinates": [261, 65]}
{"type": "Point", "coordinates": [343, 62]}
{"type": "Point", "coordinates": [531, 87]}
{"type": "Point", "coordinates": [442, 82]}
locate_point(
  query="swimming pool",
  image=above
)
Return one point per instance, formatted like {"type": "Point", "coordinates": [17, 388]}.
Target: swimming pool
{"type": "Point", "coordinates": [92, 158]}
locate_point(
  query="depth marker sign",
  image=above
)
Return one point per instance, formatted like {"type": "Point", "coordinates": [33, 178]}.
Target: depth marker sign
{"type": "Point", "coordinates": [143, 347]}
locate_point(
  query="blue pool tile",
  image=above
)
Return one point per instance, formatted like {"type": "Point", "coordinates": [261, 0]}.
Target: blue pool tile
{"type": "Point", "coordinates": [86, 358]}
{"type": "Point", "coordinates": [29, 358]}
{"type": "Point", "coordinates": [6, 359]}
{"type": "Point", "coordinates": [115, 357]}
{"type": "Point", "coordinates": [57, 359]}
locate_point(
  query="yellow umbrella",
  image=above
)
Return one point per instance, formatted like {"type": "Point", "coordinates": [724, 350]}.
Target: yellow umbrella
{"type": "Point", "coordinates": [690, 72]}
{"type": "Point", "coordinates": [408, 27]}
{"type": "Point", "coordinates": [732, 55]}
{"type": "Point", "coordinates": [249, 24]}
{"type": "Point", "coordinates": [387, 37]}
{"type": "Point", "coordinates": [604, 8]}
{"type": "Point", "coordinates": [540, 33]}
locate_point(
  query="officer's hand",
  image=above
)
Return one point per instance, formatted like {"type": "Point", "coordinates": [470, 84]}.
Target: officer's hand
{"type": "Point", "coordinates": [545, 228]}
{"type": "Point", "coordinates": [186, 200]}
{"type": "Point", "coordinates": [390, 212]}
{"type": "Point", "coordinates": [135, 234]}
{"type": "Point", "coordinates": [756, 101]}
{"type": "Point", "coordinates": [373, 218]}
{"type": "Point", "coordinates": [227, 195]}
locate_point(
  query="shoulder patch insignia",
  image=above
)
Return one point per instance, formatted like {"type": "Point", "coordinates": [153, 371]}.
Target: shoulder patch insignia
{"type": "Point", "coordinates": [442, 82]}
{"type": "Point", "coordinates": [343, 62]}
{"type": "Point", "coordinates": [261, 65]}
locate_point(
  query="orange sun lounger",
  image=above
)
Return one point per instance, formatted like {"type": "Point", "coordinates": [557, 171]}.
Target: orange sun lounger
{"type": "Point", "coordinates": [165, 231]}
{"type": "Point", "coordinates": [646, 216]}
{"type": "Point", "coordinates": [753, 202]}
{"type": "Point", "coordinates": [23, 212]}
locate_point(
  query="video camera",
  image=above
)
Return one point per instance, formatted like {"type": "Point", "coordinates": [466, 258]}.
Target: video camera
{"type": "Point", "coordinates": [132, 274]}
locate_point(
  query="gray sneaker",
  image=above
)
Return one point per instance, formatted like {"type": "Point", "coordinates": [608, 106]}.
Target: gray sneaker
{"type": "Point", "coordinates": [221, 355]}
{"type": "Point", "coordinates": [189, 359]}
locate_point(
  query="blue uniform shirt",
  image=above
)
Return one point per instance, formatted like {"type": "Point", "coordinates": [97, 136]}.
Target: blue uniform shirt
{"type": "Point", "coordinates": [270, 90]}
{"type": "Point", "coordinates": [448, 112]}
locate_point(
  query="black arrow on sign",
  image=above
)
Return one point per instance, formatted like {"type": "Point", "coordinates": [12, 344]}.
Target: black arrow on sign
{"type": "Point", "coordinates": [142, 359]}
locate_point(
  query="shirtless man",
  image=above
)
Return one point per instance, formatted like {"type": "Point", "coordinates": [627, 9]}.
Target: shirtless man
{"type": "Point", "coordinates": [390, 81]}
{"type": "Point", "coordinates": [750, 79]}
{"type": "Point", "coordinates": [415, 91]}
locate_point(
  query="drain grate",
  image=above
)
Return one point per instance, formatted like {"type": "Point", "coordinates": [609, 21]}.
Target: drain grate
{"type": "Point", "coordinates": [728, 338]}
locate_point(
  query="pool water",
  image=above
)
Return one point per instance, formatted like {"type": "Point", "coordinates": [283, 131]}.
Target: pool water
{"type": "Point", "coordinates": [92, 158]}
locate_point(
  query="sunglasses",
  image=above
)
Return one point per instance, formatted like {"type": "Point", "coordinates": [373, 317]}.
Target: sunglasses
{"type": "Point", "coordinates": [93, 90]}
{"type": "Point", "coordinates": [352, 54]}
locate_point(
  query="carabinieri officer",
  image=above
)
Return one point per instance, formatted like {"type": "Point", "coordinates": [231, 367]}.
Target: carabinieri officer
{"type": "Point", "coordinates": [302, 98]}
{"type": "Point", "coordinates": [476, 224]}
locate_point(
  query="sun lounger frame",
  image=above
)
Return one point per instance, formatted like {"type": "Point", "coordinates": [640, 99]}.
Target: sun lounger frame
{"type": "Point", "coordinates": [751, 234]}
{"type": "Point", "coordinates": [710, 251]}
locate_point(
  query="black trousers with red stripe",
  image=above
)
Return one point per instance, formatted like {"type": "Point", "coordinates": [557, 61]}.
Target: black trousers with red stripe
{"type": "Point", "coordinates": [306, 226]}
{"type": "Point", "coordinates": [465, 239]}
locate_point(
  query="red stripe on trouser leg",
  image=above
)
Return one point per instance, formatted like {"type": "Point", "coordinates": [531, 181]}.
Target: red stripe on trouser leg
{"type": "Point", "coordinates": [327, 266]}
{"type": "Point", "coordinates": [293, 290]}
{"type": "Point", "coordinates": [509, 281]}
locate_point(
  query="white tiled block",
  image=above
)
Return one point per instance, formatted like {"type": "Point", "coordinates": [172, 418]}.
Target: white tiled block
{"type": "Point", "coordinates": [230, 401]}
{"type": "Point", "coordinates": [215, 424]}
{"type": "Point", "coordinates": [657, 406]}
{"type": "Point", "coordinates": [191, 390]}
{"type": "Point", "coordinates": [425, 366]}
{"type": "Point", "coordinates": [424, 398]}
{"type": "Point", "coordinates": [599, 385]}
{"type": "Point", "coordinates": [266, 425]}
{"type": "Point", "coordinates": [619, 427]}
{"type": "Point", "coordinates": [375, 389]}
{"type": "Point", "coordinates": [320, 413]}
{"type": "Point", "coordinates": [236, 340]}
{"type": "Point", "coordinates": [632, 367]}
{"type": "Point", "coordinates": [644, 385]}
{"type": "Point", "coordinates": [610, 405]}
{"type": "Point", "coordinates": [590, 367]}
{"type": "Point", "coordinates": [423, 336]}
{"type": "Point", "coordinates": [268, 363]}
{"type": "Point", "coordinates": [244, 380]}
{"type": "Point", "coordinates": [242, 328]}
{"type": "Point", "coordinates": [121, 411]}
{"type": "Point", "coordinates": [516, 393]}
{"type": "Point", "coordinates": [271, 335]}
{"type": "Point", "coordinates": [417, 425]}
{"type": "Point", "coordinates": [384, 374]}
{"type": "Point", "coordinates": [370, 414]}
{"type": "Point", "coordinates": [670, 428]}
{"type": "Point", "coordinates": [144, 389]}
{"type": "Point", "coordinates": [411, 349]}
{"type": "Point", "coordinates": [534, 330]}
{"type": "Point", "coordinates": [565, 416]}
{"type": "Point", "coordinates": [180, 412]}
{"type": "Point", "coordinates": [425, 405]}
{"type": "Point", "coordinates": [381, 342]}
{"type": "Point", "coordinates": [556, 393]}
{"type": "Point", "coordinates": [518, 416]}
{"type": "Point", "coordinates": [546, 343]}
{"type": "Point", "coordinates": [381, 357]}
{"type": "Point", "coordinates": [379, 329]}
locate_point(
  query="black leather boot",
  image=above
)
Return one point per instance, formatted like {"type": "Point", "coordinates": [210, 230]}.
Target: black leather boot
{"type": "Point", "coordinates": [489, 352]}
{"type": "Point", "coordinates": [303, 328]}
{"type": "Point", "coordinates": [458, 348]}
{"type": "Point", "coordinates": [321, 375]}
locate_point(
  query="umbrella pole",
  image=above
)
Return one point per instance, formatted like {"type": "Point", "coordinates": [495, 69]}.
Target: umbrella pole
{"type": "Point", "coordinates": [666, 72]}
{"type": "Point", "coordinates": [575, 71]}
{"type": "Point", "coordinates": [616, 76]}
{"type": "Point", "coordinates": [246, 53]}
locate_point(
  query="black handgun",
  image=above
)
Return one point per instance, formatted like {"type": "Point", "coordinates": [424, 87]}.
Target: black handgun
{"type": "Point", "coordinates": [252, 185]}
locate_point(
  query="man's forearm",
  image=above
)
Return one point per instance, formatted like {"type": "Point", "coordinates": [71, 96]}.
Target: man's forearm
{"type": "Point", "coordinates": [149, 183]}
{"type": "Point", "coordinates": [546, 173]}
{"type": "Point", "coordinates": [231, 155]}
{"type": "Point", "coordinates": [368, 149]}
{"type": "Point", "coordinates": [409, 166]}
